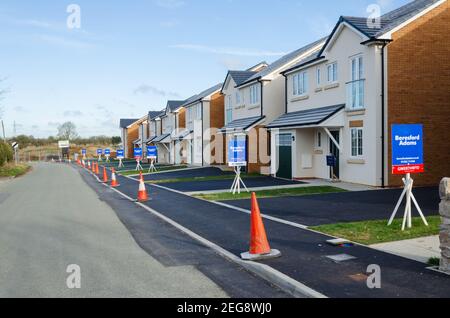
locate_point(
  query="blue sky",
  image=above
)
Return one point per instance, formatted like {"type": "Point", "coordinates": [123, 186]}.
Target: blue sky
{"type": "Point", "coordinates": [129, 57]}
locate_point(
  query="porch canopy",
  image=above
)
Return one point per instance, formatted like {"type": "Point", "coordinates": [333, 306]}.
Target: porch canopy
{"type": "Point", "coordinates": [323, 117]}
{"type": "Point", "coordinates": [183, 135]}
{"type": "Point", "coordinates": [137, 142]}
{"type": "Point", "coordinates": [242, 125]}
{"type": "Point", "coordinates": [162, 139]}
{"type": "Point", "coordinates": [316, 117]}
{"type": "Point", "coordinates": [149, 140]}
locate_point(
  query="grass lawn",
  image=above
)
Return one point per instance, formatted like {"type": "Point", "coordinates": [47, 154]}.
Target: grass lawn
{"type": "Point", "coordinates": [160, 169]}
{"type": "Point", "coordinates": [209, 178]}
{"type": "Point", "coordinates": [12, 170]}
{"type": "Point", "coordinates": [222, 196]}
{"type": "Point", "coordinates": [373, 232]}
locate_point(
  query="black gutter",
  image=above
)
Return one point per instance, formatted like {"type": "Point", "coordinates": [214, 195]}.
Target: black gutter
{"type": "Point", "coordinates": [302, 65]}
{"type": "Point", "coordinates": [261, 97]}
{"type": "Point", "coordinates": [203, 143]}
{"type": "Point", "coordinates": [383, 124]}
{"type": "Point", "coordinates": [285, 93]}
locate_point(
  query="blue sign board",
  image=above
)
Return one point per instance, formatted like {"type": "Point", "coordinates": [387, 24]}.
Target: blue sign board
{"type": "Point", "coordinates": [120, 154]}
{"type": "Point", "coordinates": [137, 153]}
{"type": "Point", "coordinates": [99, 152]}
{"type": "Point", "coordinates": [152, 152]}
{"type": "Point", "coordinates": [331, 161]}
{"type": "Point", "coordinates": [407, 149]}
{"type": "Point", "coordinates": [107, 152]}
{"type": "Point", "coordinates": [237, 153]}
{"type": "Point", "coordinates": [83, 152]}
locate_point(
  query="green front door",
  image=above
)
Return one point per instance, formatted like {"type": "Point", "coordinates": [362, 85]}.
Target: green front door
{"type": "Point", "coordinates": [284, 145]}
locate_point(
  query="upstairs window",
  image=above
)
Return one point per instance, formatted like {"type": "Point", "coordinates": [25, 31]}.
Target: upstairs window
{"type": "Point", "coordinates": [300, 82]}
{"type": "Point", "coordinates": [228, 110]}
{"type": "Point", "coordinates": [332, 74]}
{"type": "Point", "coordinates": [255, 94]}
{"type": "Point", "coordinates": [238, 98]}
{"type": "Point", "coordinates": [318, 75]}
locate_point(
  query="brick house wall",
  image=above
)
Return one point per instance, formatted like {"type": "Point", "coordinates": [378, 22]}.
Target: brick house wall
{"type": "Point", "coordinates": [133, 134]}
{"type": "Point", "coordinates": [419, 89]}
{"type": "Point", "coordinates": [217, 121]}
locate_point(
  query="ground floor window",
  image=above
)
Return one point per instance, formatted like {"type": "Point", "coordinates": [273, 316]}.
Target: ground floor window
{"type": "Point", "coordinates": [357, 142]}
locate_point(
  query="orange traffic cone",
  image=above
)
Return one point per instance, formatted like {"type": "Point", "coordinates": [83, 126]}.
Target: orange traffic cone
{"type": "Point", "coordinates": [142, 194]}
{"type": "Point", "coordinates": [114, 182]}
{"type": "Point", "coordinates": [97, 172]}
{"type": "Point", "coordinates": [105, 175]}
{"type": "Point", "coordinates": [259, 245]}
{"type": "Point", "coordinates": [93, 167]}
{"type": "Point", "coordinates": [89, 165]}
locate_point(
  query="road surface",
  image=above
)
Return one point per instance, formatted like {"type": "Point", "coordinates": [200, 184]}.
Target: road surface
{"type": "Point", "coordinates": [50, 219]}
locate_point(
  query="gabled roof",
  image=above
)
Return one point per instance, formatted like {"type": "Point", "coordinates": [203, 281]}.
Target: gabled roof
{"type": "Point", "coordinates": [388, 21]}
{"type": "Point", "coordinates": [153, 114]}
{"type": "Point", "coordinates": [308, 117]}
{"type": "Point", "coordinates": [173, 105]}
{"type": "Point", "coordinates": [282, 61]}
{"type": "Point", "coordinates": [124, 123]}
{"type": "Point", "coordinates": [197, 98]}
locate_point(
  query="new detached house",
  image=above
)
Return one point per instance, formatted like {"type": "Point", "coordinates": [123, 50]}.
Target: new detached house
{"type": "Point", "coordinates": [204, 116]}
{"type": "Point", "coordinates": [368, 75]}
{"type": "Point", "coordinates": [170, 121]}
{"type": "Point", "coordinates": [254, 98]}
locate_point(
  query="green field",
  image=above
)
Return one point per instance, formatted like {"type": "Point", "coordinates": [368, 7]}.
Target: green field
{"type": "Point", "coordinates": [373, 232]}
{"type": "Point", "coordinates": [222, 196]}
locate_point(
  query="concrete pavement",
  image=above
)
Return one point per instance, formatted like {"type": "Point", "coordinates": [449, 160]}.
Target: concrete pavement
{"type": "Point", "coordinates": [50, 219]}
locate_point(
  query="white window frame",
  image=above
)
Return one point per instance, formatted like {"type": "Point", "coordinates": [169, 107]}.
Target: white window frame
{"type": "Point", "coordinates": [238, 98]}
{"type": "Point", "coordinates": [319, 140]}
{"type": "Point", "coordinates": [318, 76]}
{"type": "Point", "coordinates": [359, 142]}
{"type": "Point", "coordinates": [300, 84]}
{"type": "Point", "coordinates": [255, 94]}
{"type": "Point", "coordinates": [357, 97]}
{"type": "Point", "coordinates": [229, 110]}
{"type": "Point", "coordinates": [332, 72]}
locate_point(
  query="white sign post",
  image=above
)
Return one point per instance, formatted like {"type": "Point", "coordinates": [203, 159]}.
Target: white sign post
{"type": "Point", "coordinates": [152, 154]}
{"type": "Point", "coordinates": [237, 160]}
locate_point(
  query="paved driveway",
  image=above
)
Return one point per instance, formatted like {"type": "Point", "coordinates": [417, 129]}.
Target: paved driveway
{"type": "Point", "coordinates": [190, 173]}
{"type": "Point", "coordinates": [342, 207]}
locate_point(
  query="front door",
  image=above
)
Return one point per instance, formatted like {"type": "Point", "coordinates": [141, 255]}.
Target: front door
{"type": "Point", "coordinates": [284, 145]}
{"type": "Point", "coordinates": [335, 151]}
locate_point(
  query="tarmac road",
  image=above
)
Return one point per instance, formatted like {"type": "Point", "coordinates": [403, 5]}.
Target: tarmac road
{"type": "Point", "coordinates": [50, 219]}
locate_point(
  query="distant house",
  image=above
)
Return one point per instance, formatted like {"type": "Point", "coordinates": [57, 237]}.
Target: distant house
{"type": "Point", "coordinates": [129, 132]}
{"type": "Point", "coordinates": [199, 138]}
{"type": "Point", "coordinates": [170, 123]}
{"type": "Point", "coordinates": [343, 99]}
{"type": "Point", "coordinates": [254, 98]}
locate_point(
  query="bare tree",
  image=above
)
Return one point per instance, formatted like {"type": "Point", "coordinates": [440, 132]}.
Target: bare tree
{"type": "Point", "coordinates": [67, 131]}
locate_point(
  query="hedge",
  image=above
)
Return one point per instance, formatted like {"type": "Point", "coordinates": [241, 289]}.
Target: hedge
{"type": "Point", "coordinates": [6, 153]}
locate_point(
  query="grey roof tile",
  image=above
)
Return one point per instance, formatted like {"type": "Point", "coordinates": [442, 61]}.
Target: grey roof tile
{"type": "Point", "coordinates": [200, 96]}
{"type": "Point", "coordinates": [313, 116]}
{"type": "Point", "coordinates": [124, 123]}
{"type": "Point", "coordinates": [241, 124]}
{"type": "Point", "coordinates": [282, 61]}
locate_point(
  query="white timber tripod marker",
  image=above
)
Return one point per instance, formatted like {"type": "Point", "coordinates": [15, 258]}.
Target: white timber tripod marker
{"type": "Point", "coordinates": [121, 165]}
{"type": "Point", "coordinates": [138, 165]}
{"type": "Point", "coordinates": [236, 187]}
{"type": "Point", "coordinates": [152, 166]}
{"type": "Point", "coordinates": [407, 218]}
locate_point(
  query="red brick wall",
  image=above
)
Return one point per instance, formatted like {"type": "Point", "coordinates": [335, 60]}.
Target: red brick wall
{"type": "Point", "coordinates": [419, 89]}
{"type": "Point", "coordinates": [132, 135]}
{"type": "Point", "coordinates": [217, 121]}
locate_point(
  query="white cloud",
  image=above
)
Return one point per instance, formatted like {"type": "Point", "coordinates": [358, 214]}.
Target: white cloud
{"type": "Point", "coordinates": [170, 4]}
{"type": "Point", "coordinates": [73, 113]}
{"type": "Point", "coordinates": [64, 42]}
{"type": "Point", "coordinates": [226, 50]}
{"type": "Point", "coordinates": [148, 89]}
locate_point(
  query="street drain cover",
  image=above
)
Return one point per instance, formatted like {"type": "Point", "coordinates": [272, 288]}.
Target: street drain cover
{"type": "Point", "coordinates": [341, 257]}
